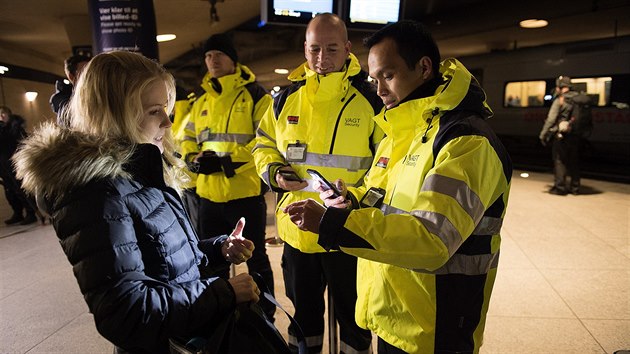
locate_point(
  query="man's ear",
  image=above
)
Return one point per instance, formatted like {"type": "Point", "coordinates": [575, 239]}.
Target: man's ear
{"type": "Point", "coordinates": [425, 65]}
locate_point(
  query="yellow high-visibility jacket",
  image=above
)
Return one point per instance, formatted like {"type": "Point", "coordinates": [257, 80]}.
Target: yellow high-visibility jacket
{"type": "Point", "coordinates": [224, 120]}
{"type": "Point", "coordinates": [181, 116]}
{"type": "Point", "coordinates": [332, 115]}
{"type": "Point", "coordinates": [429, 252]}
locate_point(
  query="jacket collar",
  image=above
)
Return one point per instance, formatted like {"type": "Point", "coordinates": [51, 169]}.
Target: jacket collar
{"type": "Point", "coordinates": [216, 86]}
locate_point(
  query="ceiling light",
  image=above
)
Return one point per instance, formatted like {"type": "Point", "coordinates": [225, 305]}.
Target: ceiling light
{"type": "Point", "coordinates": [533, 23]}
{"type": "Point", "coordinates": [3, 69]}
{"type": "Point", "coordinates": [276, 88]}
{"type": "Point", "coordinates": [165, 37]}
{"type": "Point", "coordinates": [281, 71]}
{"type": "Point", "coordinates": [31, 96]}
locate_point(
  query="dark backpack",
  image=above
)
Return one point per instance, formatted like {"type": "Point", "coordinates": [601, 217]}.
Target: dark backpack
{"type": "Point", "coordinates": [578, 112]}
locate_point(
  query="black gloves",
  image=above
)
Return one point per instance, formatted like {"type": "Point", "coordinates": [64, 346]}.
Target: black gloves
{"type": "Point", "coordinates": [206, 164]}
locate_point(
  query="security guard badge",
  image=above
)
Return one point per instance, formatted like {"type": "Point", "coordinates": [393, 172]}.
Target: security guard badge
{"type": "Point", "coordinates": [296, 152]}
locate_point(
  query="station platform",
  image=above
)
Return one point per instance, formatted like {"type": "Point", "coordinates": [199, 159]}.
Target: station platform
{"type": "Point", "coordinates": [563, 284]}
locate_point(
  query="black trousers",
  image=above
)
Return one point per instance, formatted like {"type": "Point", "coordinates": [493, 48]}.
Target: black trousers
{"type": "Point", "coordinates": [216, 219]}
{"type": "Point", "coordinates": [386, 348]}
{"type": "Point", "coordinates": [565, 153]}
{"type": "Point", "coordinates": [17, 199]}
{"type": "Point", "coordinates": [306, 276]}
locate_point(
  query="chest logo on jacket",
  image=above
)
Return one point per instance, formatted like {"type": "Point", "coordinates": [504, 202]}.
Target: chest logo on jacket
{"type": "Point", "coordinates": [293, 119]}
{"type": "Point", "coordinates": [382, 162]}
{"type": "Point", "coordinates": [411, 160]}
{"type": "Point", "coordinates": [352, 122]}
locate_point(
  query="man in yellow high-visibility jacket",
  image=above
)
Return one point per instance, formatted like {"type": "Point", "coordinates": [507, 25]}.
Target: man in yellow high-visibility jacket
{"type": "Point", "coordinates": [426, 223]}
{"type": "Point", "coordinates": [217, 144]}
{"type": "Point", "coordinates": [323, 121]}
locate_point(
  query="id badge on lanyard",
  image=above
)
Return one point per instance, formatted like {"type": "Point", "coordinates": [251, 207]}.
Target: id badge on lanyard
{"type": "Point", "coordinates": [296, 152]}
{"type": "Point", "coordinates": [373, 198]}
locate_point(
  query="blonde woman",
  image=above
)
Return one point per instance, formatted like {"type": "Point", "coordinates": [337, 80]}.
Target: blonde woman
{"type": "Point", "coordinates": [110, 184]}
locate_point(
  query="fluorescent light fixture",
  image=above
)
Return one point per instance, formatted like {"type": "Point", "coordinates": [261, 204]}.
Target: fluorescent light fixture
{"type": "Point", "coordinates": [281, 71]}
{"type": "Point", "coordinates": [533, 23]}
{"type": "Point", "coordinates": [3, 69]}
{"type": "Point", "coordinates": [165, 37]}
{"type": "Point", "coordinates": [31, 96]}
{"type": "Point", "coordinates": [524, 174]}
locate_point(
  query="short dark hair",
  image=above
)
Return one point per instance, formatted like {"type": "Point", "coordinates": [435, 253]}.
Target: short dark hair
{"type": "Point", "coordinates": [74, 60]}
{"type": "Point", "coordinates": [413, 40]}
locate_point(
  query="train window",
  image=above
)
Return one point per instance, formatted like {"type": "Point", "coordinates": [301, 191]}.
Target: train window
{"type": "Point", "coordinates": [524, 94]}
{"type": "Point", "coordinates": [597, 88]}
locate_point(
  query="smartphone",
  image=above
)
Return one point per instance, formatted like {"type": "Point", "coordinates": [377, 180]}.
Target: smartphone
{"type": "Point", "coordinates": [324, 182]}
{"type": "Point", "coordinates": [290, 175]}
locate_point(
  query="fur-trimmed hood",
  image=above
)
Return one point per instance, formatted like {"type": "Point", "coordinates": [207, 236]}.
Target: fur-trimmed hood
{"type": "Point", "coordinates": [53, 160]}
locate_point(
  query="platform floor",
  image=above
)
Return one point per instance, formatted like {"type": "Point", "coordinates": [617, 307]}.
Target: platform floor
{"type": "Point", "coordinates": [563, 284]}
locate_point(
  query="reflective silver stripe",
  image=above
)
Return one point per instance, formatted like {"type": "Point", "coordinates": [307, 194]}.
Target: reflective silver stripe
{"type": "Point", "coordinates": [488, 226]}
{"type": "Point", "coordinates": [435, 223]}
{"type": "Point", "coordinates": [467, 265]}
{"type": "Point", "coordinates": [260, 132]}
{"type": "Point", "coordinates": [347, 349]}
{"type": "Point", "coordinates": [313, 341]}
{"type": "Point", "coordinates": [190, 126]}
{"type": "Point", "coordinates": [263, 146]}
{"type": "Point", "coordinates": [351, 163]}
{"type": "Point", "coordinates": [457, 189]}
{"type": "Point", "coordinates": [440, 226]}
{"type": "Point", "coordinates": [226, 137]}
{"type": "Point", "coordinates": [189, 138]}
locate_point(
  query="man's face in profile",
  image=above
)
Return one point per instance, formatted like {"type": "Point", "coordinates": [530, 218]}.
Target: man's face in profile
{"type": "Point", "coordinates": [393, 76]}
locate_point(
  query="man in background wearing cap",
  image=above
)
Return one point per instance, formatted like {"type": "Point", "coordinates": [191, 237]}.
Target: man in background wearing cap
{"type": "Point", "coordinates": [217, 144]}
{"type": "Point", "coordinates": [564, 145]}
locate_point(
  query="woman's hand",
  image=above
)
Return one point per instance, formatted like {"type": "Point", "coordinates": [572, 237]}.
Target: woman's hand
{"type": "Point", "coordinates": [236, 248]}
{"type": "Point", "coordinates": [245, 288]}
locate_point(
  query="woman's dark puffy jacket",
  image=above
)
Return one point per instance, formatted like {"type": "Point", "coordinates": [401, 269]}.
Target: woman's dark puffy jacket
{"type": "Point", "coordinates": [127, 236]}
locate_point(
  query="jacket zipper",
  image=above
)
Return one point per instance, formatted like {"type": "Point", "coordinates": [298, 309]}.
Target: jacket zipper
{"type": "Point", "coordinates": [332, 143]}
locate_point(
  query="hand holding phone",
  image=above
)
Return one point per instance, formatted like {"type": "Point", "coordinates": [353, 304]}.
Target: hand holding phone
{"type": "Point", "coordinates": [326, 185]}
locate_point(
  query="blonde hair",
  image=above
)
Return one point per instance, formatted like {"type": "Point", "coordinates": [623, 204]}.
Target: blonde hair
{"type": "Point", "coordinates": [107, 103]}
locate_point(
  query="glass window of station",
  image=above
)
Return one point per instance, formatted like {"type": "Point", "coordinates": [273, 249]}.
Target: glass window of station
{"type": "Point", "coordinates": [539, 93]}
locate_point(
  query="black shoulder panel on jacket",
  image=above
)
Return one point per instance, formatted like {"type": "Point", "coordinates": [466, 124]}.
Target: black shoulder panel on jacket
{"type": "Point", "coordinates": [281, 98]}
{"type": "Point", "coordinates": [456, 124]}
{"type": "Point", "coordinates": [359, 81]}
{"type": "Point", "coordinates": [256, 91]}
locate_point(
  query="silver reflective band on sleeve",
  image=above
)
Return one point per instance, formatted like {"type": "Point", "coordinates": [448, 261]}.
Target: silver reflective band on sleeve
{"type": "Point", "coordinates": [227, 138]}
{"type": "Point", "coordinates": [189, 138]}
{"type": "Point", "coordinates": [263, 146]}
{"type": "Point", "coordinates": [260, 132]}
{"type": "Point", "coordinates": [440, 226]}
{"type": "Point", "coordinates": [488, 226]}
{"type": "Point", "coordinates": [459, 191]}
{"type": "Point", "coordinates": [466, 265]}
{"type": "Point", "coordinates": [190, 126]}
{"type": "Point", "coordinates": [435, 223]}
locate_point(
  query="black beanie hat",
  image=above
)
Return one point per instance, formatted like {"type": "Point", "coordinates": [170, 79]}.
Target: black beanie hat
{"type": "Point", "coordinates": [223, 43]}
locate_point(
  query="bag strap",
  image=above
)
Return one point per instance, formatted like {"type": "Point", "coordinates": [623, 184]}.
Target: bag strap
{"type": "Point", "coordinates": [264, 291]}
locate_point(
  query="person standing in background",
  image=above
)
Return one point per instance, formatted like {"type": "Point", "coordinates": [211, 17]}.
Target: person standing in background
{"type": "Point", "coordinates": [12, 131]}
{"type": "Point", "coordinates": [322, 121]}
{"type": "Point", "coordinates": [73, 66]}
{"type": "Point", "coordinates": [565, 143]}
{"type": "Point", "coordinates": [217, 144]}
